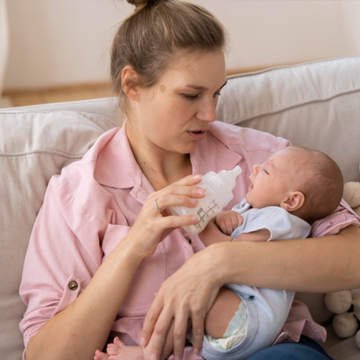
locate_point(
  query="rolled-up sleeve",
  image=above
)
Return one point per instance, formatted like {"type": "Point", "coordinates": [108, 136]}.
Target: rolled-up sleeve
{"type": "Point", "coordinates": [342, 217]}
{"type": "Point", "coordinates": [65, 250]}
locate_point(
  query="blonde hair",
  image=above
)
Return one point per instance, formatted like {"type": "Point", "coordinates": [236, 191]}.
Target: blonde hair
{"type": "Point", "coordinates": [150, 39]}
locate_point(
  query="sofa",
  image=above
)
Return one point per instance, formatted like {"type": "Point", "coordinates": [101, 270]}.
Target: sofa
{"type": "Point", "coordinates": [314, 104]}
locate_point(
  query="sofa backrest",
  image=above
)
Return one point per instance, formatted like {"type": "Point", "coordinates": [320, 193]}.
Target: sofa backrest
{"type": "Point", "coordinates": [315, 105]}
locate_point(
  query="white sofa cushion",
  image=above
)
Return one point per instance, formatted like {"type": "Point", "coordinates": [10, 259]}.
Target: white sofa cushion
{"type": "Point", "coordinates": [33, 147]}
{"type": "Point", "coordinates": [316, 105]}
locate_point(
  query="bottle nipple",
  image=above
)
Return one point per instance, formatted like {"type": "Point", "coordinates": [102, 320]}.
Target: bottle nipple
{"type": "Point", "coordinates": [228, 177]}
{"type": "Point", "coordinates": [235, 171]}
{"type": "Point", "coordinates": [228, 181]}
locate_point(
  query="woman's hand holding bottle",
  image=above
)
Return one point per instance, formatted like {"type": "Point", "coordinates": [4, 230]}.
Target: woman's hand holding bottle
{"type": "Point", "coordinates": [155, 222]}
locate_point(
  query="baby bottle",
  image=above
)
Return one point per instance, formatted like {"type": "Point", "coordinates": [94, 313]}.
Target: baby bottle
{"type": "Point", "coordinates": [218, 194]}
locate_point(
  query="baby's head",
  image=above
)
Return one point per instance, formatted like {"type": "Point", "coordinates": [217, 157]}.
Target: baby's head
{"type": "Point", "coordinates": [305, 182]}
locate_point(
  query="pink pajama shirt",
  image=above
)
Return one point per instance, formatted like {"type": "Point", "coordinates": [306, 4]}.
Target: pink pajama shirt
{"type": "Point", "coordinates": [92, 205]}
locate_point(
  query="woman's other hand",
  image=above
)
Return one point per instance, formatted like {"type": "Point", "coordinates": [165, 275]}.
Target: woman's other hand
{"type": "Point", "coordinates": [188, 294]}
{"type": "Point", "coordinates": [152, 226]}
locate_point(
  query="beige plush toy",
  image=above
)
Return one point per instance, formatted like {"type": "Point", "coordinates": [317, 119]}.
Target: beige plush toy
{"type": "Point", "coordinates": [345, 322]}
{"type": "Point", "coordinates": [352, 195]}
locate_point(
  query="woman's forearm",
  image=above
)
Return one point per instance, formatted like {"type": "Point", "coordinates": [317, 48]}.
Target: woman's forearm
{"type": "Point", "coordinates": [323, 264]}
{"type": "Point", "coordinates": [80, 329]}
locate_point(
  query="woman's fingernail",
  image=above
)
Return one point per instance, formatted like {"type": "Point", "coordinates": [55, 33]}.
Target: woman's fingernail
{"type": "Point", "coordinates": [143, 341]}
{"type": "Point", "coordinates": [201, 191]}
{"type": "Point", "coordinates": [198, 176]}
{"type": "Point", "coordinates": [195, 218]}
{"type": "Point", "coordinates": [153, 357]}
{"type": "Point", "coordinates": [194, 201]}
{"type": "Point", "coordinates": [196, 351]}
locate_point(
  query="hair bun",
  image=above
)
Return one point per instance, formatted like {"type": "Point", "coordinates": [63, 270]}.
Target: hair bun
{"type": "Point", "coordinates": [138, 3]}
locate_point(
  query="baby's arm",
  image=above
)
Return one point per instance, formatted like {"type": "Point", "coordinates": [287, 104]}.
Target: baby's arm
{"type": "Point", "coordinates": [259, 235]}
{"type": "Point", "coordinates": [227, 221]}
{"type": "Point", "coordinates": [212, 234]}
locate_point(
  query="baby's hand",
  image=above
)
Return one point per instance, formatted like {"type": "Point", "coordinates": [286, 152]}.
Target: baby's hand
{"type": "Point", "coordinates": [228, 221]}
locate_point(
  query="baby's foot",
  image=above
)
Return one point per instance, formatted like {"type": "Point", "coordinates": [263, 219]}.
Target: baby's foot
{"type": "Point", "coordinates": [100, 355]}
{"type": "Point", "coordinates": [119, 351]}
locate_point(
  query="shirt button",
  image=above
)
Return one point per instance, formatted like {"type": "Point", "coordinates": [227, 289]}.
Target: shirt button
{"type": "Point", "coordinates": [73, 285]}
{"type": "Point", "coordinates": [188, 240]}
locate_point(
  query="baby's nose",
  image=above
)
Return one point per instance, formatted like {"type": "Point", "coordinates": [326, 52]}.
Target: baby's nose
{"type": "Point", "coordinates": [255, 169]}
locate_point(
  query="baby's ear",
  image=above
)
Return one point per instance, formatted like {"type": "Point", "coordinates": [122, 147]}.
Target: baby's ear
{"type": "Point", "coordinates": [294, 200]}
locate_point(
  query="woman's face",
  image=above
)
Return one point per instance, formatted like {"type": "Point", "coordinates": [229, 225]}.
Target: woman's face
{"type": "Point", "coordinates": [174, 114]}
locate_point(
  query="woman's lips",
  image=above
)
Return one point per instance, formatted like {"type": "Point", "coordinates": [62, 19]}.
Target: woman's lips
{"type": "Point", "coordinates": [197, 134]}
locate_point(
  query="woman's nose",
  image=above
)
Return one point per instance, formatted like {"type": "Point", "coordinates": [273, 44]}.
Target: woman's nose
{"type": "Point", "coordinates": [207, 112]}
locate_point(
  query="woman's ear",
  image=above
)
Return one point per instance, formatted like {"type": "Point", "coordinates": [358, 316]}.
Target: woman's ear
{"type": "Point", "coordinates": [129, 81]}
{"type": "Point", "coordinates": [294, 201]}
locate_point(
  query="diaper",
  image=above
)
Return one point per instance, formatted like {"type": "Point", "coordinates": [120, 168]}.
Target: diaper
{"type": "Point", "coordinates": [235, 331]}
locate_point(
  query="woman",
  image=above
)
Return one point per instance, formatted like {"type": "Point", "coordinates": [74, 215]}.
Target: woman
{"type": "Point", "coordinates": [103, 240]}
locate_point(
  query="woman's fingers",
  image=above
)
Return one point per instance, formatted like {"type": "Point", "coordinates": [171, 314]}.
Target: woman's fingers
{"type": "Point", "coordinates": [159, 335]}
{"type": "Point", "coordinates": [150, 321]}
{"type": "Point", "coordinates": [189, 180]}
{"type": "Point", "coordinates": [198, 331]}
{"type": "Point", "coordinates": [155, 222]}
{"type": "Point", "coordinates": [185, 187]}
{"type": "Point", "coordinates": [173, 222]}
{"type": "Point", "coordinates": [180, 194]}
{"type": "Point", "coordinates": [188, 294]}
{"type": "Point", "coordinates": [180, 330]}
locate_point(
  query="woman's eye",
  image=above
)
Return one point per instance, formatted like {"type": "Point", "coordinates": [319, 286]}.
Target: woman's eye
{"type": "Point", "coordinates": [190, 97]}
{"type": "Point", "coordinates": [217, 93]}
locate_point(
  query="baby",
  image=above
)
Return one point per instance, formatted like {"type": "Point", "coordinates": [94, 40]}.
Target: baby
{"type": "Point", "coordinates": [287, 193]}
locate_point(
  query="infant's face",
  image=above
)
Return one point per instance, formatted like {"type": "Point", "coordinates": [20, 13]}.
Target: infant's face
{"type": "Point", "coordinates": [271, 181]}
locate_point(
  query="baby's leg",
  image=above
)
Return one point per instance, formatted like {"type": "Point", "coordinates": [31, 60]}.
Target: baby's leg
{"type": "Point", "coordinates": [223, 310]}
{"type": "Point", "coordinates": [119, 351]}
{"type": "Point", "coordinates": [99, 355]}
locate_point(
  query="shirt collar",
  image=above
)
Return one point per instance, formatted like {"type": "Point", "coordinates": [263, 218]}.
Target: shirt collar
{"type": "Point", "coordinates": [116, 166]}
{"type": "Point", "coordinates": [213, 154]}
{"type": "Point", "coordinates": [123, 172]}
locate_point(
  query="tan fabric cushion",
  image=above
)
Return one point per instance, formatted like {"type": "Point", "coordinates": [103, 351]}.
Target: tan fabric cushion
{"type": "Point", "coordinates": [33, 147]}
